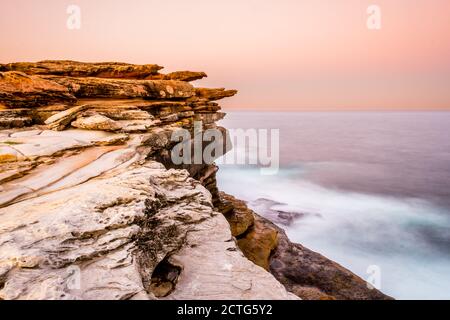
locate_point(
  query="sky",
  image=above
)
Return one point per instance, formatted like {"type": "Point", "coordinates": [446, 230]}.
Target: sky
{"type": "Point", "coordinates": [280, 54]}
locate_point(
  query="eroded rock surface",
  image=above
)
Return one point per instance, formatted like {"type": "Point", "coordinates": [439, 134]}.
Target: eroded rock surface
{"type": "Point", "coordinates": [83, 69]}
{"type": "Point", "coordinates": [103, 239]}
{"type": "Point", "coordinates": [19, 90]}
{"type": "Point", "coordinates": [124, 89]}
{"type": "Point", "coordinates": [92, 207]}
{"type": "Point", "coordinates": [84, 211]}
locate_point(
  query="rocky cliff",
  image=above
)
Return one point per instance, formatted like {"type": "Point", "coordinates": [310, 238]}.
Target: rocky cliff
{"type": "Point", "coordinates": [92, 207]}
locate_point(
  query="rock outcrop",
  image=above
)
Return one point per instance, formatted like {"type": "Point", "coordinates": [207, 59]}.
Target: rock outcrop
{"type": "Point", "coordinates": [305, 273]}
{"type": "Point", "coordinates": [92, 206]}
{"type": "Point", "coordinates": [85, 213]}
{"type": "Point", "coordinates": [19, 90]}
{"type": "Point", "coordinates": [104, 239]}
{"type": "Point", "coordinates": [83, 69]}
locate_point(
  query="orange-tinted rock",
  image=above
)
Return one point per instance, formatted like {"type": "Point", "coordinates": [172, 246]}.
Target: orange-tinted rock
{"type": "Point", "coordinates": [258, 242]}
{"type": "Point", "coordinates": [18, 90]}
{"type": "Point", "coordinates": [125, 89]}
{"type": "Point", "coordinates": [214, 94]}
{"type": "Point", "coordinates": [179, 75]}
{"type": "Point", "coordinates": [303, 272]}
{"type": "Point", "coordinates": [62, 119]}
{"type": "Point", "coordinates": [13, 118]}
{"type": "Point", "coordinates": [185, 76]}
{"type": "Point", "coordinates": [236, 212]}
{"type": "Point", "coordinates": [84, 69]}
{"type": "Point", "coordinates": [301, 269]}
{"type": "Point", "coordinates": [111, 89]}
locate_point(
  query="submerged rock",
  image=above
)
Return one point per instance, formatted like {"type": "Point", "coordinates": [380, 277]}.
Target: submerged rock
{"type": "Point", "coordinates": [305, 273]}
{"type": "Point", "coordinates": [269, 209]}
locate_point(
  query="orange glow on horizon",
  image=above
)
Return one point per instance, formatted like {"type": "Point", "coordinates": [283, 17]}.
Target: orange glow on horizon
{"type": "Point", "coordinates": [279, 54]}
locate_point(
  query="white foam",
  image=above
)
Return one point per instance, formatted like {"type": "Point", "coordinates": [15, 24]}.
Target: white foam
{"type": "Point", "coordinates": [357, 230]}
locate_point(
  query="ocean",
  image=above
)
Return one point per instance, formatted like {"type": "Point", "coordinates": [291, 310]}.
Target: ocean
{"type": "Point", "coordinates": [362, 188]}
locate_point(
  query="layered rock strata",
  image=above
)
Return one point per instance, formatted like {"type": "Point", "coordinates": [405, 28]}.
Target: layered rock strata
{"type": "Point", "coordinates": [85, 213]}
{"type": "Point", "coordinates": [92, 207]}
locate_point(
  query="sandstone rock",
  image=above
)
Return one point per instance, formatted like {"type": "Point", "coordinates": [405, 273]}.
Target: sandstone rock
{"type": "Point", "coordinates": [8, 153]}
{"type": "Point", "coordinates": [303, 272]}
{"type": "Point", "coordinates": [83, 69]}
{"type": "Point", "coordinates": [158, 138]}
{"type": "Point", "coordinates": [131, 126]}
{"type": "Point", "coordinates": [112, 140]}
{"type": "Point", "coordinates": [170, 118]}
{"type": "Point", "coordinates": [11, 174]}
{"type": "Point", "coordinates": [49, 143]}
{"type": "Point", "coordinates": [206, 107]}
{"type": "Point", "coordinates": [179, 75]}
{"type": "Point", "coordinates": [105, 238]}
{"type": "Point", "coordinates": [18, 90]}
{"type": "Point", "coordinates": [117, 113]}
{"type": "Point", "coordinates": [14, 113]}
{"type": "Point", "coordinates": [52, 176]}
{"type": "Point", "coordinates": [15, 122]}
{"type": "Point", "coordinates": [186, 114]}
{"type": "Point", "coordinates": [85, 213]}
{"type": "Point", "coordinates": [312, 276]}
{"type": "Point", "coordinates": [164, 279]}
{"type": "Point", "coordinates": [42, 113]}
{"type": "Point", "coordinates": [62, 119]}
{"type": "Point", "coordinates": [214, 269]}
{"type": "Point", "coordinates": [147, 105]}
{"type": "Point", "coordinates": [96, 122]}
{"type": "Point", "coordinates": [238, 215]}
{"type": "Point", "coordinates": [97, 161]}
{"type": "Point", "coordinates": [259, 242]}
{"type": "Point", "coordinates": [125, 89]}
{"type": "Point", "coordinates": [86, 136]}
{"type": "Point", "coordinates": [25, 133]}
{"type": "Point", "coordinates": [214, 94]}
{"type": "Point", "coordinates": [208, 118]}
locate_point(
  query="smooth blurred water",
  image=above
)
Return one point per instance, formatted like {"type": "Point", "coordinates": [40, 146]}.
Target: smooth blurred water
{"type": "Point", "coordinates": [371, 188]}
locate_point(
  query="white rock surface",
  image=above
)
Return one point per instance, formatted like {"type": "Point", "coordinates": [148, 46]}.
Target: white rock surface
{"type": "Point", "coordinates": [97, 240]}
{"type": "Point", "coordinates": [96, 122]}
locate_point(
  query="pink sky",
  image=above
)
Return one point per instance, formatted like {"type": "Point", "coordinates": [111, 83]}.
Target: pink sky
{"type": "Point", "coordinates": [280, 54]}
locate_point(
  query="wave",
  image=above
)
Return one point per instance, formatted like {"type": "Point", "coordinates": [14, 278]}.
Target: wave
{"type": "Point", "coordinates": [407, 238]}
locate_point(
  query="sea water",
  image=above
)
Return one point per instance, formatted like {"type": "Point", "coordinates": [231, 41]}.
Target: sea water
{"type": "Point", "coordinates": [364, 189]}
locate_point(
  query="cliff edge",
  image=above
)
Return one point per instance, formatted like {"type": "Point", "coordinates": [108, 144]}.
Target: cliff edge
{"type": "Point", "coordinates": [91, 207]}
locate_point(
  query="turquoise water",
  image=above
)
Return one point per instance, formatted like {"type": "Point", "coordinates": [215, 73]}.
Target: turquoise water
{"type": "Point", "coordinates": [363, 189]}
